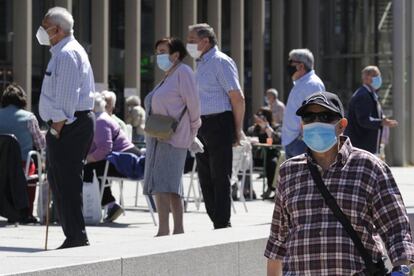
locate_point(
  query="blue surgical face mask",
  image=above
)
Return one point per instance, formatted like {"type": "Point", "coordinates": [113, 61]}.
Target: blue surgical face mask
{"type": "Point", "coordinates": [376, 82]}
{"type": "Point", "coordinates": [319, 137]}
{"type": "Point", "coordinates": [164, 62]}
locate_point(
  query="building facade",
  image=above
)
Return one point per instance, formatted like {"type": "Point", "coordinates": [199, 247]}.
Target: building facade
{"type": "Point", "coordinates": [344, 35]}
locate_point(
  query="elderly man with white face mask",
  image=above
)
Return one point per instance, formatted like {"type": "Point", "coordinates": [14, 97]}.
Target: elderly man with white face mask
{"type": "Point", "coordinates": [222, 112]}
{"type": "Point", "coordinates": [66, 101]}
{"type": "Point", "coordinates": [332, 203]}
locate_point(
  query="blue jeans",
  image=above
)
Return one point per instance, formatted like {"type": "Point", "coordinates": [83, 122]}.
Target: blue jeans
{"type": "Point", "coordinates": [296, 147]}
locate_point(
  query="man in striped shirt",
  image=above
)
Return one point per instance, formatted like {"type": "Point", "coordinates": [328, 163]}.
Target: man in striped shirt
{"type": "Point", "coordinates": [305, 237]}
{"type": "Point", "coordinates": [66, 101]}
{"type": "Point", "coordinates": [222, 112]}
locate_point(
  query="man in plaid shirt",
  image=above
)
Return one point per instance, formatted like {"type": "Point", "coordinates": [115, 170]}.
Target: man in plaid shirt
{"type": "Point", "coordinates": [305, 236]}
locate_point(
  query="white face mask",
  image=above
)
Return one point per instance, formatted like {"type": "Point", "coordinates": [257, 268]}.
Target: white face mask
{"type": "Point", "coordinates": [43, 37]}
{"type": "Point", "coordinates": [192, 50]}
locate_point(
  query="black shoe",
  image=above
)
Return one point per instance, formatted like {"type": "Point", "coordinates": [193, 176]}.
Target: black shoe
{"type": "Point", "coordinates": [247, 195]}
{"type": "Point", "coordinates": [113, 213]}
{"type": "Point", "coordinates": [29, 220]}
{"type": "Point", "coordinates": [228, 225]}
{"type": "Point", "coordinates": [25, 220]}
{"type": "Point", "coordinates": [266, 195]}
{"type": "Point", "coordinates": [11, 221]}
{"type": "Point", "coordinates": [73, 243]}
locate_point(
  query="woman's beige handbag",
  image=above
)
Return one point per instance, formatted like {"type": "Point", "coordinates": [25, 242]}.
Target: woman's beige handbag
{"type": "Point", "coordinates": [160, 126]}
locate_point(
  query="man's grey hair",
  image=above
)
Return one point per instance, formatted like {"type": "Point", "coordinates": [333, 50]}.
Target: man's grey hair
{"type": "Point", "coordinates": [133, 101]}
{"type": "Point", "coordinates": [111, 96]}
{"type": "Point", "coordinates": [371, 70]}
{"type": "Point", "coordinates": [304, 56]}
{"type": "Point", "coordinates": [99, 102]}
{"type": "Point", "coordinates": [62, 18]}
{"type": "Point", "coordinates": [204, 30]}
{"type": "Point", "coordinates": [273, 92]}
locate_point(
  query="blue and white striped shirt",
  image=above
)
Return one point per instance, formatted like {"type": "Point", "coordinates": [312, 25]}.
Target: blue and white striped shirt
{"type": "Point", "coordinates": [68, 84]}
{"type": "Point", "coordinates": [216, 76]}
{"type": "Point", "coordinates": [303, 88]}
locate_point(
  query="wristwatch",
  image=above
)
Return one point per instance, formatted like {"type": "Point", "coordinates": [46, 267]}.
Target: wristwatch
{"type": "Point", "coordinates": [400, 270]}
{"type": "Point", "coordinates": [54, 132]}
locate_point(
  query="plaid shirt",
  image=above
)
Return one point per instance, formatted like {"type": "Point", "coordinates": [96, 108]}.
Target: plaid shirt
{"type": "Point", "coordinates": [309, 239]}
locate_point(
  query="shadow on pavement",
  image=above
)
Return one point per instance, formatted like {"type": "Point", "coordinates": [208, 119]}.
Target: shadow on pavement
{"type": "Point", "coordinates": [20, 249]}
{"type": "Point", "coordinates": [119, 225]}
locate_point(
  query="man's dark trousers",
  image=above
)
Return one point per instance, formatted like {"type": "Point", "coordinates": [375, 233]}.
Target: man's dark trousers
{"type": "Point", "coordinates": [66, 157]}
{"type": "Point", "coordinates": [215, 165]}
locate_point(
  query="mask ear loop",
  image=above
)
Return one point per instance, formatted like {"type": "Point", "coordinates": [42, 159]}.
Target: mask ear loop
{"type": "Point", "coordinates": [338, 137]}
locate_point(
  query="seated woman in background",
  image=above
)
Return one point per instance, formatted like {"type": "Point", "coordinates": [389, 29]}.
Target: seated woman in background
{"type": "Point", "coordinates": [264, 128]}
{"type": "Point", "coordinates": [108, 138]}
{"type": "Point", "coordinates": [24, 125]}
{"type": "Point", "coordinates": [135, 116]}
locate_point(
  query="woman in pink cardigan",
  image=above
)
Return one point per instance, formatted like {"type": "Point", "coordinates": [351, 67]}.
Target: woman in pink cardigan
{"type": "Point", "coordinates": [175, 95]}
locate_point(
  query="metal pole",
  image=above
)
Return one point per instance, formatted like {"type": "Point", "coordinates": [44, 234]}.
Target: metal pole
{"type": "Point", "coordinates": [100, 43]}
{"type": "Point", "coordinates": [399, 141]}
{"type": "Point", "coordinates": [214, 18]}
{"type": "Point", "coordinates": [237, 36]}
{"type": "Point", "coordinates": [189, 8]}
{"type": "Point", "coordinates": [162, 28]}
{"type": "Point", "coordinates": [277, 49]}
{"type": "Point", "coordinates": [258, 28]}
{"type": "Point", "coordinates": [132, 48]}
{"type": "Point", "coordinates": [22, 46]}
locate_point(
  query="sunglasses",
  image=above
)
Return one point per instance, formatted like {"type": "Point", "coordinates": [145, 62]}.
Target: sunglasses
{"type": "Point", "coordinates": [323, 117]}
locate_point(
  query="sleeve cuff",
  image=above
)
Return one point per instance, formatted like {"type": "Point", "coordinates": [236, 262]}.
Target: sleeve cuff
{"type": "Point", "coordinates": [58, 116]}
{"type": "Point", "coordinates": [275, 250]}
{"type": "Point", "coordinates": [402, 251]}
{"type": "Point", "coordinates": [196, 124]}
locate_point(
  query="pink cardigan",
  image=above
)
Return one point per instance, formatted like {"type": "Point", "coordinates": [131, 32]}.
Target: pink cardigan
{"type": "Point", "coordinates": [177, 92]}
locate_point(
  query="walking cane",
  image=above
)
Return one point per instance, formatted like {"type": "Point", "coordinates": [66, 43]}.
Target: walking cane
{"type": "Point", "coordinates": [47, 216]}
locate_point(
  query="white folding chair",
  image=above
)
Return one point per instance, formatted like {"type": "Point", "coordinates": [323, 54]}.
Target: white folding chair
{"type": "Point", "coordinates": [242, 161]}
{"type": "Point", "coordinates": [196, 197]}
{"type": "Point", "coordinates": [107, 182]}
{"type": "Point", "coordinates": [38, 178]}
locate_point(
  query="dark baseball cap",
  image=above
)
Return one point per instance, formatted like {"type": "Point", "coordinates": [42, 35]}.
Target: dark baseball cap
{"type": "Point", "coordinates": [326, 99]}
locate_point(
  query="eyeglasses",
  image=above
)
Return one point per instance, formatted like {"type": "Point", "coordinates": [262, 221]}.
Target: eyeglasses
{"type": "Point", "coordinates": [323, 117]}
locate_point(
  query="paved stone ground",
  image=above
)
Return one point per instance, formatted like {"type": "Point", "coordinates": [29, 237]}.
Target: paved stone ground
{"type": "Point", "coordinates": [136, 226]}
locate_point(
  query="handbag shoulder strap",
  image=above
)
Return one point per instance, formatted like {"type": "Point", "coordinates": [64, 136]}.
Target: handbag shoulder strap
{"type": "Point", "coordinates": [341, 217]}
{"type": "Point", "coordinates": [182, 113]}
{"type": "Point", "coordinates": [160, 84]}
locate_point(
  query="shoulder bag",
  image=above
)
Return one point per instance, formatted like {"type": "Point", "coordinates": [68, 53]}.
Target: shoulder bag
{"type": "Point", "coordinates": [161, 126]}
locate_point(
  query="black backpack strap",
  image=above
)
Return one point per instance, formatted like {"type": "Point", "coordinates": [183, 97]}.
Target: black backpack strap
{"type": "Point", "coordinates": [372, 268]}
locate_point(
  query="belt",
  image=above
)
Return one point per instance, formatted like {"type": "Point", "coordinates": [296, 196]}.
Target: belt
{"type": "Point", "coordinates": [77, 114]}
{"type": "Point", "coordinates": [209, 116]}
{"type": "Point", "coordinates": [80, 113]}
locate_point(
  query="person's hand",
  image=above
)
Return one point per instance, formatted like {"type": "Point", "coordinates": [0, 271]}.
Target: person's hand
{"type": "Point", "coordinates": [196, 147]}
{"type": "Point", "coordinates": [389, 123]}
{"type": "Point", "coordinates": [238, 138]}
{"type": "Point", "coordinates": [57, 126]}
{"type": "Point", "coordinates": [262, 122]}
